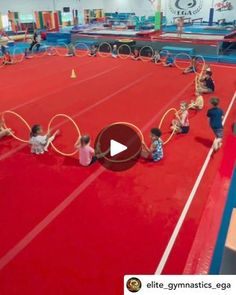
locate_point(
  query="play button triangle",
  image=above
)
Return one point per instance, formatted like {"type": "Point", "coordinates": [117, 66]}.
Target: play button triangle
{"type": "Point", "coordinates": [116, 147]}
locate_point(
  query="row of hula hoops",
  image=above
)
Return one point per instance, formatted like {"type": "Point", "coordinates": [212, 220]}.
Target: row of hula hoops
{"type": "Point", "coordinates": [74, 124]}
{"type": "Point", "coordinates": [104, 49]}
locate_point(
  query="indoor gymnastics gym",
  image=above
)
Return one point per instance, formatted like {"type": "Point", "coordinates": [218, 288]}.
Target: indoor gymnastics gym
{"type": "Point", "coordinates": [69, 66]}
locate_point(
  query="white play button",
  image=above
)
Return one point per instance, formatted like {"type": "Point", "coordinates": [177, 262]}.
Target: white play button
{"type": "Point", "coordinates": [116, 147]}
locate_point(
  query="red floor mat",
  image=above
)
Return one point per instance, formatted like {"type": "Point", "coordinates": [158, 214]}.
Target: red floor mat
{"type": "Point", "coordinates": [118, 223]}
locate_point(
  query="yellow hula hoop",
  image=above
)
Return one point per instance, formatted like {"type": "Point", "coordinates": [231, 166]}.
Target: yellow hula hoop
{"type": "Point", "coordinates": [161, 122]}
{"type": "Point", "coordinates": [133, 126]}
{"type": "Point", "coordinates": [76, 127]}
{"type": "Point", "coordinates": [166, 113]}
{"type": "Point", "coordinates": [203, 65]}
{"type": "Point", "coordinates": [12, 133]}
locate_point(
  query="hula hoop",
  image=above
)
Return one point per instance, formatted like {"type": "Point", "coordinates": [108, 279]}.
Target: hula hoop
{"type": "Point", "coordinates": [124, 56]}
{"type": "Point", "coordinates": [144, 58]}
{"type": "Point", "coordinates": [104, 54]}
{"type": "Point", "coordinates": [39, 50]}
{"type": "Point", "coordinates": [17, 57]}
{"type": "Point", "coordinates": [12, 133]}
{"type": "Point", "coordinates": [76, 127]}
{"type": "Point", "coordinates": [183, 56]}
{"type": "Point", "coordinates": [197, 81]}
{"type": "Point", "coordinates": [124, 123]}
{"type": "Point", "coordinates": [163, 55]}
{"type": "Point", "coordinates": [59, 48]}
{"type": "Point", "coordinates": [82, 48]}
{"type": "Point", "coordinates": [203, 64]}
{"type": "Point", "coordinates": [51, 51]}
{"type": "Point", "coordinates": [161, 122]}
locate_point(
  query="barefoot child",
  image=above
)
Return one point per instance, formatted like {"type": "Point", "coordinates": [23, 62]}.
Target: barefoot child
{"type": "Point", "coordinates": [87, 154]}
{"type": "Point", "coordinates": [207, 85]}
{"type": "Point", "coordinates": [169, 62]}
{"type": "Point", "coordinates": [93, 51]}
{"type": "Point", "coordinates": [216, 115]}
{"type": "Point", "coordinates": [39, 142]}
{"type": "Point", "coordinates": [193, 66]}
{"type": "Point", "coordinates": [197, 104]}
{"type": "Point", "coordinates": [181, 123]}
{"type": "Point", "coordinates": [135, 55]}
{"type": "Point", "coordinates": [180, 27]}
{"type": "Point", "coordinates": [156, 57]}
{"type": "Point", "coordinates": [155, 152]}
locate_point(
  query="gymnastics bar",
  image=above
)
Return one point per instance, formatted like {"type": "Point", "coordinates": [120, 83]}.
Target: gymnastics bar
{"type": "Point", "coordinates": [221, 21]}
{"type": "Point", "coordinates": [197, 20]}
{"type": "Point", "coordinates": [187, 20]}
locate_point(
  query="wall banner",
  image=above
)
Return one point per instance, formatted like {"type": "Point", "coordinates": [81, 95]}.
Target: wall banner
{"type": "Point", "coordinates": [223, 5]}
{"type": "Point", "coordinates": [185, 7]}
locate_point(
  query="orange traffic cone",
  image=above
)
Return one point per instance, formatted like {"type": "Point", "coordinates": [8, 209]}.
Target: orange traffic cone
{"type": "Point", "coordinates": [73, 74]}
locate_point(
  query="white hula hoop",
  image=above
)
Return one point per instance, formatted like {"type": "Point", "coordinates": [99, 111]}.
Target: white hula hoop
{"type": "Point", "coordinates": [39, 50]}
{"type": "Point", "coordinates": [144, 58]}
{"type": "Point", "coordinates": [61, 47]}
{"type": "Point", "coordinates": [183, 56]}
{"type": "Point", "coordinates": [106, 54]}
{"type": "Point", "coordinates": [203, 65]}
{"type": "Point", "coordinates": [81, 48]}
{"type": "Point", "coordinates": [51, 51]}
{"type": "Point", "coordinates": [124, 56]}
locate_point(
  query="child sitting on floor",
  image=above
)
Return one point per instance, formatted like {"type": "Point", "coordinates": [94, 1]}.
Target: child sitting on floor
{"type": "Point", "coordinates": [193, 66]}
{"type": "Point", "coordinates": [181, 123]}
{"type": "Point", "coordinates": [4, 131]}
{"type": "Point", "coordinates": [155, 152]}
{"type": "Point", "coordinates": [39, 142]}
{"type": "Point", "coordinates": [93, 51]}
{"type": "Point", "coordinates": [207, 84]}
{"type": "Point", "coordinates": [156, 57]}
{"type": "Point", "coordinates": [169, 62]}
{"type": "Point", "coordinates": [87, 154]}
{"type": "Point", "coordinates": [135, 54]}
{"type": "Point", "coordinates": [197, 104]}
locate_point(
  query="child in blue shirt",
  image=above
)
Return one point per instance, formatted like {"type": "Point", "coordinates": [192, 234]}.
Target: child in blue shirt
{"type": "Point", "coordinates": [216, 115]}
{"type": "Point", "coordinates": [169, 62]}
{"type": "Point", "coordinates": [155, 152]}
